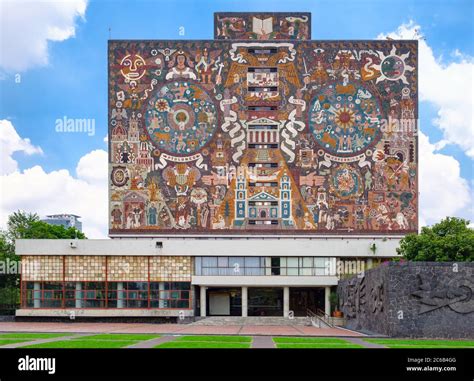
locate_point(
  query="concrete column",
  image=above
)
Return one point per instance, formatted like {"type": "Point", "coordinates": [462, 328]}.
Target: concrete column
{"type": "Point", "coordinates": [37, 295]}
{"type": "Point", "coordinates": [120, 295]}
{"type": "Point", "coordinates": [327, 304]}
{"type": "Point", "coordinates": [161, 293]}
{"type": "Point", "coordinates": [203, 301]}
{"type": "Point", "coordinates": [286, 301]}
{"type": "Point", "coordinates": [78, 295]}
{"type": "Point", "coordinates": [370, 263]}
{"type": "Point", "coordinates": [244, 301]}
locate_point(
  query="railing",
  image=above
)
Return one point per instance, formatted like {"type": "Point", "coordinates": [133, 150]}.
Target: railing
{"type": "Point", "coordinates": [323, 315]}
{"type": "Point", "coordinates": [264, 271]}
{"type": "Point", "coordinates": [317, 319]}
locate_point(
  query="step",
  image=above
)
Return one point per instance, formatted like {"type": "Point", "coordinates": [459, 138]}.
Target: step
{"type": "Point", "coordinates": [251, 320]}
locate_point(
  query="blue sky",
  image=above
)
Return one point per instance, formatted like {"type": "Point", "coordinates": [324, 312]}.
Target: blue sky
{"type": "Point", "coordinates": [73, 82]}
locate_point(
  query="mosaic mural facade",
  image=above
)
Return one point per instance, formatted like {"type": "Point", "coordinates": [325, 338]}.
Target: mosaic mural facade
{"type": "Point", "coordinates": [278, 137]}
{"type": "Point", "coordinates": [262, 26]}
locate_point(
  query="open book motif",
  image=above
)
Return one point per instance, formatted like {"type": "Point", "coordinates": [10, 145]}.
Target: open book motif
{"type": "Point", "coordinates": [264, 26]}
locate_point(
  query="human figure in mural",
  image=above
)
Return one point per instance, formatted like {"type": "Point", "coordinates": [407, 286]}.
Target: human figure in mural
{"type": "Point", "coordinates": [130, 222]}
{"type": "Point", "coordinates": [152, 212]}
{"type": "Point", "coordinates": [180, 143]}
{"type": "Point", "coordinates": [180, 68]}
{"type": "Point", "coordinates": [204, 66]}
{"type": "Point", "coordinates": [116, 217]}
{"type": "Point", "coordinates": [137, 213]}
{"type": "Point", "coordinates": [204, 215]}
{"type": "Point", "coordinates": [359, 217]}
{"type": "Point", "coordinates": [368, 180]}
{"type": "Point", "coordinates": [166, 219]}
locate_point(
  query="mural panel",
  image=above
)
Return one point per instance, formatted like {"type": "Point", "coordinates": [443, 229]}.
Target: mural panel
{"type": "Point", "coordinates": [263, 137]}
{"type": "Point", "coordinates": [262, 26]}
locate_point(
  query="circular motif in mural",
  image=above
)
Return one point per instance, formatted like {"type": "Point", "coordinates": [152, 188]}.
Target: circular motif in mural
{"type": "Point", "coordinates": [392, 67]}
{"type": "Point", "coordinates": [346, 182]}
{"type": "Point", "coordinates": [132, 67]}
{"type": "Point", "coordinates": [464, 302]}
{"type": "Point", "coordinates": [181, 118]}
{"type": "Point", "coordinates": [119, 176]}
{"type": "Point", "coordinates": [345, 119]}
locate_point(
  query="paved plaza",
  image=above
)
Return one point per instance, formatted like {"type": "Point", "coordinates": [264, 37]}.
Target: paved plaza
{"type": "Point", "coordinates": [176, 329]}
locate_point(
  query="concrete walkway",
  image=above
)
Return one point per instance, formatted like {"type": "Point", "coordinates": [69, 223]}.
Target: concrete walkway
{"type": "Point", "coordinates": [179, 329]}
{"type": "Point", "coordinates": [153, 342]}
{"type": "Point", "coordinates": [262, 342]}
{"type": "Point", "coordinates": [49, 340]}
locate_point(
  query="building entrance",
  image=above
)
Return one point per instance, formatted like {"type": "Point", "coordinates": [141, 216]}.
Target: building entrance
{"type": "Point", "coordinates": [302, 299]}
{"type": "Point", "coordinates": [224, 302]}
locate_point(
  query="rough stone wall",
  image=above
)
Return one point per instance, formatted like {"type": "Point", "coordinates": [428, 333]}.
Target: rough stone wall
{"type": "Point", "coordinates": [414, 299]}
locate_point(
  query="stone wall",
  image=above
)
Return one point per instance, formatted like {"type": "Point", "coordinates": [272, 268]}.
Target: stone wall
{"type": "Point", "coordinates": [411, 299]}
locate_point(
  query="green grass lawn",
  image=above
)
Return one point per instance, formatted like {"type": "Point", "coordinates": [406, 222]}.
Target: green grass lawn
{"type": "Point", "coordinates": [109, 340]}
{"type": "Point", "coordinates": [12, 341]}
{"type": "Point", "coordinates": [76, 343]}
{"type": "Point", "coordinates": [312, 342]}
{"type": "Point", "coordinates": [33, 336]}
{"type": "Point", "coordinates": [208, 342]}
{"type": "Point", "coordinates": [421, 343]}
{"type": "Point", "coordinates": [12, 338]}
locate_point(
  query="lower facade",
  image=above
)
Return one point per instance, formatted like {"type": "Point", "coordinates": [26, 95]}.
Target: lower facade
{"type": "Point", "coordinates": [110, 280]}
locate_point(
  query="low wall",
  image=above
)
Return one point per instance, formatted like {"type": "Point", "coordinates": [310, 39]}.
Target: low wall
{"type": "Point", "coordinates": [411, 299]}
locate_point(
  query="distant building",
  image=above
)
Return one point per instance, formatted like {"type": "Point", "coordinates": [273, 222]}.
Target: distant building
{"type": "Point", "coordinates": [66, 220]}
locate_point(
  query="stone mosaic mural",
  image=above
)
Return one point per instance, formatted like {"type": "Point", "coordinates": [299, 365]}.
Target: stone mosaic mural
{"type": "Point", "coordinates": [267, 137]}
{"type": "Point", "coordinates": [262, 26]}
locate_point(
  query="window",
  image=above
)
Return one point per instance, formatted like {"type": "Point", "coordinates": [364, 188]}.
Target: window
{"type": "Point", "coordinates": [110, 295]}
{"type": "Point", "coordinates": [84, 295]}
{"type": "Point", "coordinates": [292, 264]}
{"type": "Point", "coordinates": [170, 295]}
{"type": "Point", "coordinates": [254, 266]}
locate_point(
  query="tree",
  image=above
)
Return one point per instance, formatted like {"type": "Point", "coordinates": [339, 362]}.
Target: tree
{"type": "Point", "coordinates": [22, 225]}
{"type": "Point", "coordinates": [43, 230]}
{"type": "Point", "coordinates": [450, 240]}
{"type": "Point", "coordinates": [19, 222]}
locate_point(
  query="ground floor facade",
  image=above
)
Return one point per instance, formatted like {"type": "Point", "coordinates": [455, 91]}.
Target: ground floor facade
{"type": "Point", "coordinates": [185, 278]}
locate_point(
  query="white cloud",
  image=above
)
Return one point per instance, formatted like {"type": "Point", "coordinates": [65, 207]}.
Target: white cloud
{"type": "Point", "coordinates": [92, 167]}
{"type": "Point", "coordinates": [35, 190]}
{"type": "Point", "coordinates": [449, 87]}
{"type": "Point", "coordinates": [28, 26]}
{"type": "Point", "coordinates": [443, 192]}
{"type": "Point", "coordinates": [11, 142]}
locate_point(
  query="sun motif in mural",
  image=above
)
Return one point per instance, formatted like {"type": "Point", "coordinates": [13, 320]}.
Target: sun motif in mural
{"type": "Point", "coordinates": [393, 67]}
{"type": "Point", "coordinates": [180, 118]}
{"type": "Point", "coordinates": [132, 67]}
{"type": "Point", "coordinates": [345, 117]}
{"type": "Point", "coordinates": [346, 182]}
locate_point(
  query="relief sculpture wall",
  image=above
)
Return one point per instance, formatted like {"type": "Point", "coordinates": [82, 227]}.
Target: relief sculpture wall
{"type": "Point", "coordinates": [415, 299]}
